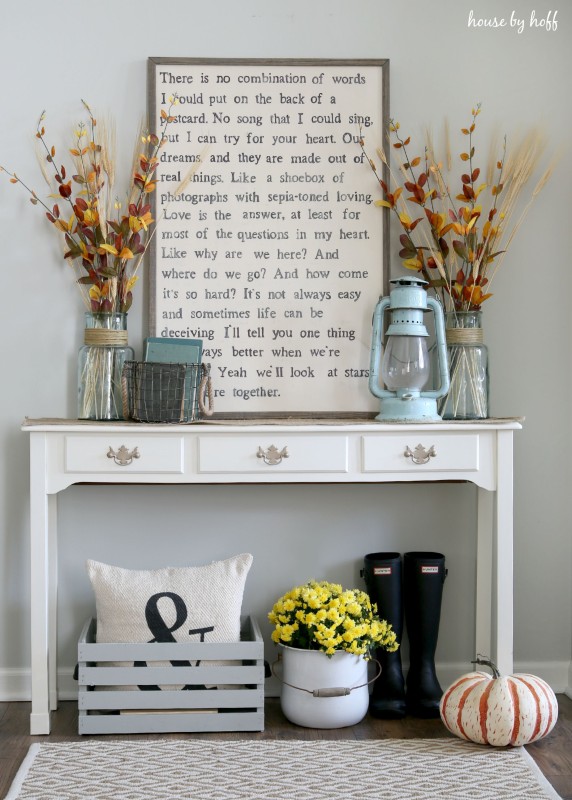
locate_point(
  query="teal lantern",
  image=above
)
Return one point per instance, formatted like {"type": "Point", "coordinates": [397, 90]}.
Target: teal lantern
{"type": "Point", "coordinates": [405, 367]}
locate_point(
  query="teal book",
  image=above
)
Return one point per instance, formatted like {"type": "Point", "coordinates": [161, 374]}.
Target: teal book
{"type": "Point", "coordinates": [173, 351]}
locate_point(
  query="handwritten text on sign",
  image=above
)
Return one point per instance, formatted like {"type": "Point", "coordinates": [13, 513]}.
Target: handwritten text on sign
{"type": "Point", "coordinates": [273, 253]}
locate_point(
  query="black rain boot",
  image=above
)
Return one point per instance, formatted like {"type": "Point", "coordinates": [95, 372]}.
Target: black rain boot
{"type": "Point", "coordinates": [382, 574]}
{"type": "Point", "coordinates": [424, 575]}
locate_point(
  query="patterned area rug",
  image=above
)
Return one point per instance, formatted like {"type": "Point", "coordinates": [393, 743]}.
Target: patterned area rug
{"type": "Point", "coordinates": [162, 769]}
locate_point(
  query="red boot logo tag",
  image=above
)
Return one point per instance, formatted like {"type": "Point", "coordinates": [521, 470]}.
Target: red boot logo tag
{"type": "Point", "coordinates": [427, 570]}
{"type": "Point", "coordinates": [382, 570]}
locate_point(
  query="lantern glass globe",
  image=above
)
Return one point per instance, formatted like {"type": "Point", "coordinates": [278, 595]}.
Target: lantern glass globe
{"type": "Point", "coordinates": [405, 363]}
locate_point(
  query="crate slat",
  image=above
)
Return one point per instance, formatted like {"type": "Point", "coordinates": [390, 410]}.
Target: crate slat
{"type": "Point", "coordinates": [202, 698]}
{"type": "Point", "coordinates": [171, 723]}
{"type": "Point", "coordinates": [175, 651]}
{"type": "Point", "coordinates": [145, 676]}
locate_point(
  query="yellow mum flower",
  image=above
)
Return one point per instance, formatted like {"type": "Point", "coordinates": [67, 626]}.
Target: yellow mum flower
{"type": "Point", "coordinates": [313, 600]}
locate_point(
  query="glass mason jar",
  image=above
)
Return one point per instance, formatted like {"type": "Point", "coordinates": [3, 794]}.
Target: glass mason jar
{"type": "Point", "coordinates": [468, 396]}
{"type": "Point", "coordinates": [100, 364]}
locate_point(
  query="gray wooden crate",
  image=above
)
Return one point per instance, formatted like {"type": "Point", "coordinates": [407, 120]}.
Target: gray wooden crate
{"type": "Point", "coordinates": [234, 703]}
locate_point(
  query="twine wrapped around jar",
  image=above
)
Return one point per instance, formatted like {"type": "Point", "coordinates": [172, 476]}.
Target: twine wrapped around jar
{"type": "Point", "coordinates": [464, 336]}
{"type": "Point", "coordinates": [101, 337]}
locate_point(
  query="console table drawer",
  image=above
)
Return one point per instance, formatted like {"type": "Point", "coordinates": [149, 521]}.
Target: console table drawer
{"type": "Point", "coordinates": [279, 454]}
{"type": "Point", "coordinates": [116, 455]}
{"type": "Point", "coordinates": [420, 452]}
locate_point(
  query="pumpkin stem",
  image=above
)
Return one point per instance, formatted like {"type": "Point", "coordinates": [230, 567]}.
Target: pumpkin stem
{"type": "Point", "coordinates": [486, 662]}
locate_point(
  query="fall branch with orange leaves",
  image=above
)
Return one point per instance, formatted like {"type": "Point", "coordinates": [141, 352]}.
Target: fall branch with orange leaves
{"type": "Point", "coordinates": [457, 243]}
{"type": "Point", "coordinates": [103, 238]}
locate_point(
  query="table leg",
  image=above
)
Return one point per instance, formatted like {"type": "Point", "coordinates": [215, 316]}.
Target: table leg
{"type": "Point", "coordinates": [40, 504]}
{"type": "Point", "coordinates": [52, 601]}
{"type": "Point", "coordinates": [503, 596]}
{"type": "Point", "coordinates": [484, 594]}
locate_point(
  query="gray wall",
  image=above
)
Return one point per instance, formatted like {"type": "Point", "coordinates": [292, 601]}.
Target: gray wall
{"type": "Point", "coordinates": [55, 53]}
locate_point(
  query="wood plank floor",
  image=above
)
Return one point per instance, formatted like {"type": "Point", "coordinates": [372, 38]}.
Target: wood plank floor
{"type": "Point", "coordinates": [553, 754]}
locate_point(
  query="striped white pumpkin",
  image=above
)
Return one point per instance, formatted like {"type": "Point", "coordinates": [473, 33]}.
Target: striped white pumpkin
{"type": "Point", "coordinates": [501, 711]}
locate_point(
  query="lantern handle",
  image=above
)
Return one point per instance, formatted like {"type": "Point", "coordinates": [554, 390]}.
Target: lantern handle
{"type": "Point", "coordinates": [376, 349]}
{"type": "Point", "coordinates": [441, 346]}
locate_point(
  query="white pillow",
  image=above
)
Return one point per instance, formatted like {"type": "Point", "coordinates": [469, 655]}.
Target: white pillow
{"type": "Point", "coordinates": [182, 604]}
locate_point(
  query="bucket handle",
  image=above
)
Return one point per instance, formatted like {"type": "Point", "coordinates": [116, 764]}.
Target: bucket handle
{"type": "Point", "coordinates": [329, 691]}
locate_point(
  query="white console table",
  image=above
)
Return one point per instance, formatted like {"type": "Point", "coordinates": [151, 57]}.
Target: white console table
{"type": "Point", "coordinates": [65, 452]}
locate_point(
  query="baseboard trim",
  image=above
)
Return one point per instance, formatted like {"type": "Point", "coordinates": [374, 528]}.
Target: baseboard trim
{"type": "Point", "coordinates": [557, 674]}
{"type": "Point", "coordinates": [15, 683]}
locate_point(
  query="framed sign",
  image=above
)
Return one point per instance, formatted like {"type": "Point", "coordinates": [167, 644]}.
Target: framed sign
{"type": "Point", "coordinates": [270, 249]}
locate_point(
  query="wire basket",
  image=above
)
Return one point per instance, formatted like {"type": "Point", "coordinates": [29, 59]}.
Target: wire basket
{"type": "Point", "coordinates": [158, 392]}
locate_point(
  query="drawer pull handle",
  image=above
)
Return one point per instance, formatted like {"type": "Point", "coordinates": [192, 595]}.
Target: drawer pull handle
{"type": "Point", "coordinates": [272, 455]}
{"type": "Point", "coordinates": [420, 455]}
{"type": "Point", "coordinates": [123, 457]}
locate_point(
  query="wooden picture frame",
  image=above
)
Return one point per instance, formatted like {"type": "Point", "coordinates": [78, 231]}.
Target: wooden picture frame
{"type": "Point", "coordinates": [273, 252]}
